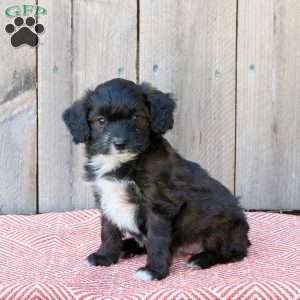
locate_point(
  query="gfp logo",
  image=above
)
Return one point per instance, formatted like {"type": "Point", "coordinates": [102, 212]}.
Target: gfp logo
{"type": "Point", "coordinates": [24, 29]}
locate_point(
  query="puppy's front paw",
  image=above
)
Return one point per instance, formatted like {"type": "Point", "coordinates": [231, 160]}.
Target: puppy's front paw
{"type": "Point", "coordinates": [96, 259]}
{"type": "Point", "coordinates": [146, 274]}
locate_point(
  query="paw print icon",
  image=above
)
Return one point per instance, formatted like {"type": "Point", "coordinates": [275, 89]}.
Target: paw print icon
{"type": "Point", "coordinates": [24, 33]}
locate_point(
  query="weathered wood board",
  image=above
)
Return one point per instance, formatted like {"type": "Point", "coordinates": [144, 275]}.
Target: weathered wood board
{"type": "Point", "coordinates": [268, 104]}
{"type": "Point", "coordinates": [102, 45]}
{"type": "Point", "coordinates": [188, 48]}
{"type": "Point", "coordinates": [17, 123]}
{"type": "Point", "coordinates": [54, 95]}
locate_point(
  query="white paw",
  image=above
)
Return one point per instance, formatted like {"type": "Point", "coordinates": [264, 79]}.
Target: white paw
{"type": "Point", "coordinates": [193, 266]}
{"type": "Point", "coordinates": [86, 263]}
{"type": "Point", "coordinates": [142, 275]}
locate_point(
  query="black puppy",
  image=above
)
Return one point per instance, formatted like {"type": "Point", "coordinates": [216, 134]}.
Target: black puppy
{"type": "Point", "coordinates": [146, 189]}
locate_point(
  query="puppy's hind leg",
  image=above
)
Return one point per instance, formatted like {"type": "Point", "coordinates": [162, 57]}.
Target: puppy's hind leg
{"type": "Point", "coordinates": [205, 260]}
{"type": "Point", "coordinates": [222, 247]}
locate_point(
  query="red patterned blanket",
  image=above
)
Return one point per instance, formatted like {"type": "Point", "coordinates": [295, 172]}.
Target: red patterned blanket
{"type": "Point", "coordinates": [41, 258]}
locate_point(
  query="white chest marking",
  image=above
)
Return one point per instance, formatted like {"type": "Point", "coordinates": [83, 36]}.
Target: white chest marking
{"type": "Point", "coordinates": [114, 196]}
{"type": "Point", "coordinates": [115, 205]}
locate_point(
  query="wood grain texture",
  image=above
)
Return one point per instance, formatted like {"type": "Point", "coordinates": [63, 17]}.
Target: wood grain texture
{"type": "Point", "coordinates": [105, 42]}
{"type": "Point", "coordinates": [55, 95]}
{"type": "Point", "coordinates": [17, 123]}
{"type": "Point", "coordinates": [188, 48]}
{"type": "Point", "coordinates": [268, 104]}
{"type": "Point", "coordinates": [88, 42]}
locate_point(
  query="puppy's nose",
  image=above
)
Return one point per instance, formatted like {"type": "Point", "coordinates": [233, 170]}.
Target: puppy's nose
{"type": "Point", "coordinates": [119, 143]}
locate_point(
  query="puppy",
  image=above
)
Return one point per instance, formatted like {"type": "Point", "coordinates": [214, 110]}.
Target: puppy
{"type": "Point", "coordinates": [145, 189]}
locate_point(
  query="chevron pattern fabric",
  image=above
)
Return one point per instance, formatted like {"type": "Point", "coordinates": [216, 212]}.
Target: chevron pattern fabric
{"type": "Point", "coordinates": [41, 258]}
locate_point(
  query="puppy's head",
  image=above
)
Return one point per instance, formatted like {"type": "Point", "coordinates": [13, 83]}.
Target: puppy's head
{"type": "Point", "coordinates": [119, 117]}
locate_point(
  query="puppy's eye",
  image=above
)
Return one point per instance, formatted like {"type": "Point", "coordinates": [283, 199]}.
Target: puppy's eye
{"type": "Point", "coordinates": [141, 121]}
{"type": "Point", "coordinates": [101, 121]}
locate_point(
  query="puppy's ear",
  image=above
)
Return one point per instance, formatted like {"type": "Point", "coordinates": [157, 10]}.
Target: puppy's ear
{"type": "Point", "coordinates": [75, 117]}
{"type": "Point", "coordinates": [162, 106]}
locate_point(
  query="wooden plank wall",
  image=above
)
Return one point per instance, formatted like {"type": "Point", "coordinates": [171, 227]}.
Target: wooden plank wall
{"type": "Point", "coordinates": [234, 66]}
